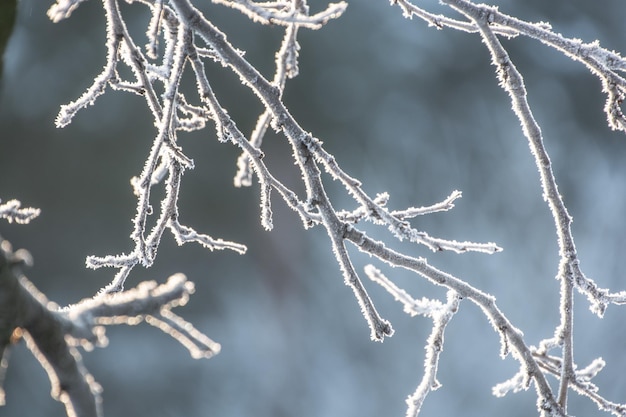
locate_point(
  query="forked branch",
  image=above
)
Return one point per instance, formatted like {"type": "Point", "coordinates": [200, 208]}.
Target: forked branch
{"type": "Point", "coordinates": [53, 334]}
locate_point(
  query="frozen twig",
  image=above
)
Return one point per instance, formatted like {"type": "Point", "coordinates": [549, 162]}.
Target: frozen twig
{"type": "Point", "coordinates": [179, 23]}
{"type": "Point", "coordinates": [62, 9]}
{"type": "Point", "coordinates": [606, 65]}
{"type": "Point", "coordinates": [581, 382]}
{"type": "Point", "coordinates": [440, 21]}
{"type": "Point", "coordinates": [441, 315]}
{"type": "Point", "coordinates": [286, 67]}
{"type": "Point", "coordinates": [25, 313]}
{"type": "Point", "coordinates": [281, 13]}
{"type": "Point", "coordinates": [53, 334]}
{"type": "Point", "coordinates": [511, 338]}
{"type": "Point", "coordinates": [150, 302]}
{"type": "Point", "coordinates": [13, 212]}
{"type": "Point", "coordinates": [434, 346]}
{"type": "Point", "coordinates": [379, 215]}
{"type": "Point", "coordinates": [602, 63]}
{"type": "Point", "coordinates": [252, 155]}
{"type": "Point", "coordinates": [445, 205]}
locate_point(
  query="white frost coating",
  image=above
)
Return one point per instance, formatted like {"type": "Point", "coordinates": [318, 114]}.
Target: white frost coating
{"type": "Point", "coordinates": [271, 13]}
{"type": "Point", "coordinates": [379, 328]}
{"type": "Point", "coordinates": [434, 347]}
{"type": "Point", "coordinates": [166, 161]}
{"type": "Point", "coordinates": [148, 302]}
{"type": "Point", "coordinates": [185, 234]}
{"type": "Point", "coordinates": [360, 213]}
{"type": "Point", "coordinates": [153, 30]}
{"type": "Point", "coordinates": [115, 261]}
{"type": "Point", "coordinates": [441, 315]}
{"type": "Point", "coordinates": [444, 205]}
{"type": "Point", "coordinates": [266, 206]}
{"type": "Point", "coordinates": [13, 212]}
{"type": "Point", "coordinates": [591, 370]}
{"type": "Point", "coordinates": [199, 345]}
{"type": "Point", "coordinates": [380, 215]}
{"type": "Point", "coordinates": [519, 382]}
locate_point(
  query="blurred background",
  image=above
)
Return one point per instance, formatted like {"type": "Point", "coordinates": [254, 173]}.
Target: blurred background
{"type": "Point", "coordinates": [407, 109]}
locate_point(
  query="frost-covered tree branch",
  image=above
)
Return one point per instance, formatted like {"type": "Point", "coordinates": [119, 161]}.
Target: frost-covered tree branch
{"type": "Point", "coordinates": [183, 40]}
{"type": "Point", "coordinates": [441, 315]}
{"type": "Point", "coordinates": [490, 22]}
{"type": "Point", "coordinates": [53, 334]}
{"type": "Point", "coordinates": [13, 212]}
{"type": "Point", "coordinates": [606, 65]}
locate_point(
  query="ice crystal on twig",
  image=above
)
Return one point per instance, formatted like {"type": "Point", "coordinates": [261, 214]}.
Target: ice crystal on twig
{"type": "Point", "coordinates": [441, 315]}
{"type": "Point", "coordinates": [13, 212]}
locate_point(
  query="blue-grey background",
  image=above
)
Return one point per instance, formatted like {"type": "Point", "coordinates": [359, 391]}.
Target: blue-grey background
{"type": "Point", "coordinates": [407, 109]}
